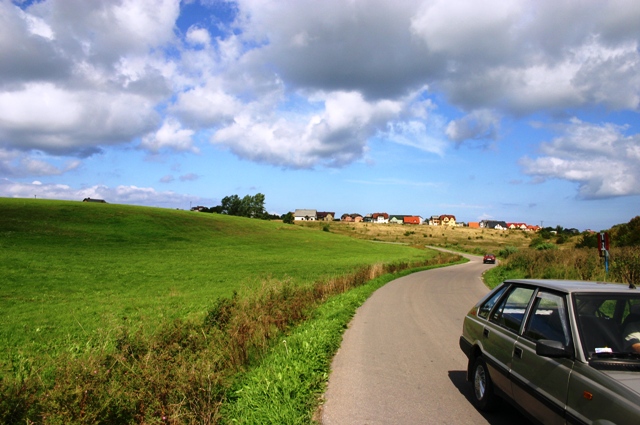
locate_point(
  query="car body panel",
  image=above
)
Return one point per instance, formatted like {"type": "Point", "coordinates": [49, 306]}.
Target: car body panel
{"type": "Point", "coordinates": [579, 379]}
{"type": "Point", "coordinates": [550, 378]}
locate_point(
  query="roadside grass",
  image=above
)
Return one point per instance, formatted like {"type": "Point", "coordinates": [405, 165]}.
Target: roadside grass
{"type": "Point", "coordinates": [568, 264]}
{"type": "Point", "coordinates": [287, 385]}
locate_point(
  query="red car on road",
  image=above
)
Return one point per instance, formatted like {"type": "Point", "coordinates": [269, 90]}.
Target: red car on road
{"type": "Point", "coordinates": [489, 258]}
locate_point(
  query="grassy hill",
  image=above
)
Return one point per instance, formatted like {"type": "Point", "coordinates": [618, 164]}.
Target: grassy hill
{"type": "Point", "coordinates": [73, 272]}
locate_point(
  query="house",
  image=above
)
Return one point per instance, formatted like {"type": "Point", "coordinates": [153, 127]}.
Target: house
{"type": "Point", "coordinates": [448, 220]}
{"type": "Point", "coordinates": [325, 216]}
{"type": "Point", "coordinates": [474, 225]}
{"type": "Point", "coordinates": [380, 218]}
{"type": "Point", "coordinates": [396, 219]}
{"type": "Point", "coordinates": [517, 226]}
{"type": "Point", "coordinates": [101, 201]}
{"type": "Point", "coordinates": [305, 215]}
{"type": "Point", "coordinates": [351, 218]}
{"type": "Point", "coordinates": [434, 220]}
{"type": "Point", "coordinates": [493, 224]}
{"type": "Point", "coordinates": [412, 219]}
{"type": "Point", "coordinates": [533, 228]}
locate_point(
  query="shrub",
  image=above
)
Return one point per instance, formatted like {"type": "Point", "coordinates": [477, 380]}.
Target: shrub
{"type": "Point", "coordinates": [507, 251]}
{"type": "Point", "coordinates": [625, 264]}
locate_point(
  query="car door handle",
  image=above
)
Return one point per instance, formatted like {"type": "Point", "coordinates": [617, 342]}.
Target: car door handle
{"type": "Point", "coordinates": [517, 352]}
{"type": "Point", "coordinates": [485, 333]}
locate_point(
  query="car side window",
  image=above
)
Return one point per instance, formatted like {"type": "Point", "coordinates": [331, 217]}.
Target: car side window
{"type": "Point", "coordinates": [510, 312]}
{"type": "Point", "coordinates": [486, 308]}
{"type": "Point", "coordinates": [548, 319]}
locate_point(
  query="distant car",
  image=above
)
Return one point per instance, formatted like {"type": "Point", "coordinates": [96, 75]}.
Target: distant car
{"type": "Point", "coordinates": [489, 258]}
{"type": "Point", "coordinates": [561, 351]}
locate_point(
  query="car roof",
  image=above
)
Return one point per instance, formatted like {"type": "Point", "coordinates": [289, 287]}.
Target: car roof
{"type": "Point", "coordinates": [570, 286]}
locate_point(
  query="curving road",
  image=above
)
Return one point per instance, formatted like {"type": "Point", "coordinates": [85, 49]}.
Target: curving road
{"type": "Point", "coordinates": [399, 361]}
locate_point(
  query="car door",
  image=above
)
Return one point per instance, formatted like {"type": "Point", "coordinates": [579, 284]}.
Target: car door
{"type": "Point", "coordinates": [500, 334]}
{"type": "Point", "coordinates": [540, 384]}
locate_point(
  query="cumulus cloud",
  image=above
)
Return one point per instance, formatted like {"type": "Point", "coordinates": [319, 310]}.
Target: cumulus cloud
{"type": "Point", "coordinates": [302, 83]}
{"type": "Point", "coordinates": [115, 195]}
{"type": "Point", "coordinates": [170, 136]}
{"type": "Point", "coordinates": [601, 159]}
{"type": "Point", "coordinates": [334, 135]}
{"type": "Point", "coordinates": [14, 163]}
{"type": "Point", "coordinates": [480, 124]}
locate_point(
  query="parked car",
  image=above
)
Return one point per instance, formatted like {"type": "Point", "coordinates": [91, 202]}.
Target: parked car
{"type": "Point", "coordinates": [489, 258]}
{"type": "Point", "coordinates": [561, 351]}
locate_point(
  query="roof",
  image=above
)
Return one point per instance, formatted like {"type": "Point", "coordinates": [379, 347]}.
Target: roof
{"type": "Point", "coordinates": [303, 213]}
{"type": "Point", "coordinates": [571, 286]}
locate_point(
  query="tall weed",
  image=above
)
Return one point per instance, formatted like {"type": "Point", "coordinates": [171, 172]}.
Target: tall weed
{"type": "Point", "coordinates": [575, 264]}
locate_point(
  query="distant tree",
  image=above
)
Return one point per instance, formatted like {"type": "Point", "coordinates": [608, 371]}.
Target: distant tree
{"type": "Point", "coordinates": [589, 240]}
{"type": "Point", "coordinates": [626, 234]}
{"type": "Point", "coordinates": [288, 218]}
{"type": "Point", "coordinates": [249, 206]}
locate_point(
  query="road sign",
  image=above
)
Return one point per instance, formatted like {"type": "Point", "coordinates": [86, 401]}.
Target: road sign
{"type": "Point", "coordinates": [603, 243]}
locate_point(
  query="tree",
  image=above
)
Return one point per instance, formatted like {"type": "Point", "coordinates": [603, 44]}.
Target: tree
{"type": "Point", "coordinates": [249, 206]}
{"type": "Point", "coordinates": [288, 218]}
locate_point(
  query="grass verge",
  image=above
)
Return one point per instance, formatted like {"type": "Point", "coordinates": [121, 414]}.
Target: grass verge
{"type": "Point", "coordinates": [286, 387]}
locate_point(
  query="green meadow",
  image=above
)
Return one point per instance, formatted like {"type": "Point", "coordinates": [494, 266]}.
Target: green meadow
{"type": "Point", "coordinates": [72, 273]}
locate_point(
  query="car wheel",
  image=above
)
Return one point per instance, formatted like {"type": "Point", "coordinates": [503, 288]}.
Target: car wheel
{"type": "Point", "coordinates": [483, 396]}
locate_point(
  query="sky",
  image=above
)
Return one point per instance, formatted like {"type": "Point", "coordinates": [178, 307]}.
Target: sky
{"type": "Point", "coordinates": [518, 110]}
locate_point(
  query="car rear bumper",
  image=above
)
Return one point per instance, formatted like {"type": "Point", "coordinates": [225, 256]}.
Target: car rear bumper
{"type": "Point", "coordinates": [466, 346]}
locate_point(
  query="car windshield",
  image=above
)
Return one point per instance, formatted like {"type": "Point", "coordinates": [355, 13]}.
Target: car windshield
{"type": "Point", "coordinates": [609, 324]}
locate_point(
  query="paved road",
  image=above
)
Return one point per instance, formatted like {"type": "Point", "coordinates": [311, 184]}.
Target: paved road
{"type": "Point", "coordinates": [400, 363]}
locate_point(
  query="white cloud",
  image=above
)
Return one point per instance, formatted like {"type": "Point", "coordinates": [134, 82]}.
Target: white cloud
{"type": "Point", "coordinates": [601, 159]}
{"type": "Point", "coordinates": [115, 195]}
{"type": "Point", "coordinates": [333, 136]}
{"type": "Point", "coordinates": [170, 136]}
{"type": "Point", "coordinates": [303, 83]}
{"type": "Point", "coordinates": [480, 124]}
{"type": "Point", "coordinates": [198, 36]}
{"type": "Point", "coordinates": [21, 164]}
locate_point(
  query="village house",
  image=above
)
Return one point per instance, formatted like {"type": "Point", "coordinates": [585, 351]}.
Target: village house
{"type": "Point", "coordinates": [493, 224]}
{"type": "Point", "coordinates": [517, 226]}
{"type": "Point", "coordinates": [448, 220]}
{"type": "Point", "coordinates": [351, 218]}
{"type": "Point", "coordinates": [380, 218]}
{"type": "Point", "coordinates": [434, 220]}
{"type": "Point", "coordinates": [325, 216]}
{"type": "Point", "coordinates": [305, 215]}
{"type": "Point", "coordinates": [396, 219]}
{"type": "Point", "coordinates": [412, 219]}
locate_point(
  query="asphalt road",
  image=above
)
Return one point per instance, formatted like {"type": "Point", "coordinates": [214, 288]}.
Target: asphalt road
{"type": "Point", "coordinates": [400, 362]}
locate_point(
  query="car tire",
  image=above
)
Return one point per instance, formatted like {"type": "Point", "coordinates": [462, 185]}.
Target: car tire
{"type": "Point", "coordinates": [483, 396]}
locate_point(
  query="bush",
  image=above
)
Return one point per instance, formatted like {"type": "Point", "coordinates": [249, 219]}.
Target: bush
{"type": "Point", "coordinates": [507, 251]}
{"type": "Point", "coordinates": [625, 264]}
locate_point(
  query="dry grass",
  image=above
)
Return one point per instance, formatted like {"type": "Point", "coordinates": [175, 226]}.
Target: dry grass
{"type": "Point", "coordinates": [477, 241]}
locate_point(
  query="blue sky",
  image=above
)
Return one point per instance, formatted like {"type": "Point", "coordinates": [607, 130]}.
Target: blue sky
{"type": "Point", "coordinates": [518, 111]}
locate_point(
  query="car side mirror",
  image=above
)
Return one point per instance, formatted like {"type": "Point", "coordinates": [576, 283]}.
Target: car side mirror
{"type": "Point", "coordinates": [550, 348]}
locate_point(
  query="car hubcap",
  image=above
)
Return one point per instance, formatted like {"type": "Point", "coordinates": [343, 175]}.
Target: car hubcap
{"type": "Point", "coordinates": [479, 382]}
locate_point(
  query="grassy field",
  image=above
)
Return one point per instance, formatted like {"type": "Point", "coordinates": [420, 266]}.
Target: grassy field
{"type": "Point", "coordinates": [73, 272]}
